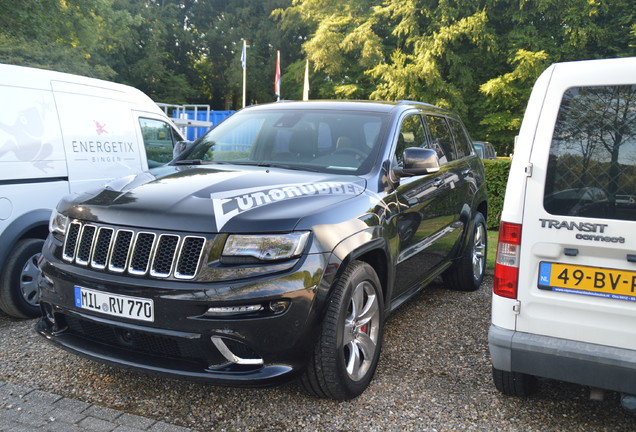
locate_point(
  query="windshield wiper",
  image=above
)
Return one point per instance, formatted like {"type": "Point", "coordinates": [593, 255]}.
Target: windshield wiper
{"type": "Point", "coordinates": [199, 162]}
{"type": "Point", "coordinates": [189, 162]}
{"type": "Point", "coordinates": [278, 165]}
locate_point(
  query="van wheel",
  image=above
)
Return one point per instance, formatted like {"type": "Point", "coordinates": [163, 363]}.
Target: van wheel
{"type": "Point", "coordinates": [347, 352]}
{"type": "Point", "coordinates": [467, 273]}
{"type": "Point", "coordinates": [19, 291]}
{"type": "Point", "coordinates": [514, 383]}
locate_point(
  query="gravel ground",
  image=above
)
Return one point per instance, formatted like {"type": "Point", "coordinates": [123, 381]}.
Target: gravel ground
{"type": "Point", "coordinates": [434, 375]}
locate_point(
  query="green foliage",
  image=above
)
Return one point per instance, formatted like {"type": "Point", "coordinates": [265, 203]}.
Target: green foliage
{"type": "Point", "coordinates": [478, 58]}
{"type": "Point", "coordinates": [506, 96]}
{"type": "Point", "coordinates": [496, 179]}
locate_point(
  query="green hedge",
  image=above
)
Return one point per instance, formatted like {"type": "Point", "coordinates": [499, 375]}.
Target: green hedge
{"type": "Point", "coordinates": [496, 179]}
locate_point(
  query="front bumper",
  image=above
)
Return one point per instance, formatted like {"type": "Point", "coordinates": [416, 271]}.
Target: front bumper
{"type": "Point", "coordinates": [598, 366]}
{"type": "Point", "coordinates": [245, 349]}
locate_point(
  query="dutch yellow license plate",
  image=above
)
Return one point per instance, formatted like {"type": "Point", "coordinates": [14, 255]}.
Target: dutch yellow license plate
{"type": "Point", "coordinates": [591, 281]}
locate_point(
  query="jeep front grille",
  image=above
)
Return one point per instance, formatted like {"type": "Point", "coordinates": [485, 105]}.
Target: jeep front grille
{"type": "Point", "coordinates": [138, 253]}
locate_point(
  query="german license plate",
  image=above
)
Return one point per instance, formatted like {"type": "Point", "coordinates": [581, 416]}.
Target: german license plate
{"type": "Point", "coordinates": [591, 281]}
{"type": "Point", "coordinates": [113, 304]}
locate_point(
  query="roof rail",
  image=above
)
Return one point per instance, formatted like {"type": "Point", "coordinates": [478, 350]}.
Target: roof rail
{"type": "Point", "coordinates": [415, 103]}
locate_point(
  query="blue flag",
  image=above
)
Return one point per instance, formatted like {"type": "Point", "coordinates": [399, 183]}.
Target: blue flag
{"type": "Point", "coordinates": [243, 55]}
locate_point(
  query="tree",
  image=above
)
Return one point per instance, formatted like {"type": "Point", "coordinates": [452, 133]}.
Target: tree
{"type": "Point", "coordinates": [69, 36]}
{"type": "Point", "coordinates": [478, 58]}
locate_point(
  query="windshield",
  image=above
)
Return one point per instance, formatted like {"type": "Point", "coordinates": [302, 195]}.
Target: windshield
{"type": "Point", "coordinates": [317, 140]}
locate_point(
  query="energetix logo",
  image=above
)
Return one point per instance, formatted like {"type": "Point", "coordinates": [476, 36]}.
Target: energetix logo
{"type": "Point", "coordinates": [582, 227]}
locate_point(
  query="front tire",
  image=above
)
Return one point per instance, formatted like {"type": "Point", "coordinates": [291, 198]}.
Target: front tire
{"type": "Point", "coordinates": [19, 291]}
{"type": "Point", "coordinates": [468, 273]}
{"type": "Point", "coordinates": [346, 355]}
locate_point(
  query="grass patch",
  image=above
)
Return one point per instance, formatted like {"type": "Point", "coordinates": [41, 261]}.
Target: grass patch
{"type": "Point", "coordinates": [492, 249]}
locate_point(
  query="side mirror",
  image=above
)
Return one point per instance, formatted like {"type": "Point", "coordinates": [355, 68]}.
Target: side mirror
{"type": "Point", "coordinates": [180, 147]}
{"type": "Point", "coordinates": [418, 161]}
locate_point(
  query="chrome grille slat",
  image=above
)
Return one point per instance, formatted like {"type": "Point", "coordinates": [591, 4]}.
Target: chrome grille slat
{"type": "Point", "coordinates": [85, 245]}
{"type": "Point", "coordinates": [120, 251]}
{"type": "Point", "coordinates": [138, 253]}
{"type": "Point", "coordinates": [189, 257]}
{"type": "Point", "coordinates": [163, 261]}
{"type": "Point", "coordinates": [70, 242]}
{"type": "Point", "coordinates": [140, 259]}
{"type": "Point", "coordinates": [102, 248]}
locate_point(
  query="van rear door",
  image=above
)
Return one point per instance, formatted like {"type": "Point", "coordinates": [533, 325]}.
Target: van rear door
{"type": "Point", "coordinates": [577, 275]}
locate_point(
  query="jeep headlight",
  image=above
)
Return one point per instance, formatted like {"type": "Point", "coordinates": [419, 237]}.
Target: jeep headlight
{"type": "Point", "coordinates": [57, 223]}
{"type": "Point", "coordinates": [266, 247]}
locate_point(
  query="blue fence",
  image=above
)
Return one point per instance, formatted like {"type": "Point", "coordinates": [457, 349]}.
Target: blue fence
{"type": "Point", "coordinates": [215, 117]}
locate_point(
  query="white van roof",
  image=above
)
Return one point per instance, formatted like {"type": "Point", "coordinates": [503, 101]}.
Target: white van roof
{"type": "Point", "coordinates": [43, 79]}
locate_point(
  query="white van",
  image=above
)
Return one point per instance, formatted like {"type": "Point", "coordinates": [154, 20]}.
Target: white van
{"type": "Point", "coordinates": [59, 134]}
{"type": "Point", "coordinates": [564, 301]}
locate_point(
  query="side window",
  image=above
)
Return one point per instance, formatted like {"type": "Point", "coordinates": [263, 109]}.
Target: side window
{"type": "Point", "coordinates": [411, 135]}
{"type": "Point", "coordinates": [441, 138]}
{"type": "Point", "coordinates": [462, 142]}
{"type": "Point", "coordinates": [592, 164]}
{"type": "Point", "coordinates": [158, 141]}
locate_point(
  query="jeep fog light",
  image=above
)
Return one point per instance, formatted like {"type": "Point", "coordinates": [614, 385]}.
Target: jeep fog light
{"type": "Point", "coordinates": [278, 306]}
{"type": "Point", "coordinates": [233, 310]}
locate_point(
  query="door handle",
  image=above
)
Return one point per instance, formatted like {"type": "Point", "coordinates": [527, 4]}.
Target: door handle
{"type": "Point", "coordinates": [439, 182]}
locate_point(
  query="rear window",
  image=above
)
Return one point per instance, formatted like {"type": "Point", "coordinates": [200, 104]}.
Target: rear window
{"type": "Point", "coordinates": [592, 166]}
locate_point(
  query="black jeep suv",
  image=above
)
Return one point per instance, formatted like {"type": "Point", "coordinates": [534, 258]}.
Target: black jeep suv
{"type": "Point", "coordinates": [271, 248]}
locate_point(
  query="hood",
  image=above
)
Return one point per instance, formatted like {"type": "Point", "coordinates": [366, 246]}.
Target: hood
{"type": "Point", "coordinates": [209, 199]}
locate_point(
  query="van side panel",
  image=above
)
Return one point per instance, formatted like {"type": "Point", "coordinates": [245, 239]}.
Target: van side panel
{"type": "Point", "coordinates": [513, 205]}
{"type": "Point", "coordinates": [30, 137]}
{"type": "Point", "coordinates": [19, 215]}
{"type": "Point", "coordinates": [99, 134]}
{"type": "Point", "coordinates": [503, 308]}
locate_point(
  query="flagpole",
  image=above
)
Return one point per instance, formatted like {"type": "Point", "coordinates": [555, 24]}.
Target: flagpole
{"type": "Point", "coordinates": [277, 77]}
{"type": "Point", "coordinates": [244, 62]}
{"type": "Point", "coordinates": [306, 84]}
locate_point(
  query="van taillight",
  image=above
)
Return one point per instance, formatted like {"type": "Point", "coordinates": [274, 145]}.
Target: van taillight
{"type": "Point", "coordinates": [507, 264]}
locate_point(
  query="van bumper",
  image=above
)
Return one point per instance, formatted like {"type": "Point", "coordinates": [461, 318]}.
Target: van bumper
{"type": "Point", "coordinates": [593, 365]}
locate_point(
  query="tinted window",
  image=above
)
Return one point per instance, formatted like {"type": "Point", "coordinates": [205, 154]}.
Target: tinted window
{"type": "Point", "coordinates": [591, 168]}
{"type": "Point", "coordinates": [411, 135]}
{"type": "Point", "coordinates": [322, 140]}
{"type": "Point", "coordinates": [441, 139]}
{"type": "Point", "coordinates": [462, 142]}
{"type": "Point", "coordinates": [158, 139]}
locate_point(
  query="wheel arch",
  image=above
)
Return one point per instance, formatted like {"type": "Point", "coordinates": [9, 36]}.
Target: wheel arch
{"type": "Point", "coordinates": [373, 252]}
{"type": "Point", "coordinates": [34, 224]}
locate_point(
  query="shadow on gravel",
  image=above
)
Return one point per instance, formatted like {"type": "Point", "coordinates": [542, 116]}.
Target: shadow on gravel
{"type": "Point", "coordinates": [434, 374]}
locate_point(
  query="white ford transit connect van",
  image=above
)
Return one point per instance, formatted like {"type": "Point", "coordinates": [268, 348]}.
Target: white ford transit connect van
{"type": "Point", "coordinates": [564, 301]}
{"type": "Point", "coordinates": [59, 134]}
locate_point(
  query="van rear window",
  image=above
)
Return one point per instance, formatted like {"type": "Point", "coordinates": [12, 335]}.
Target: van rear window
{"type": "Point", "coordinates": [592, 166]}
